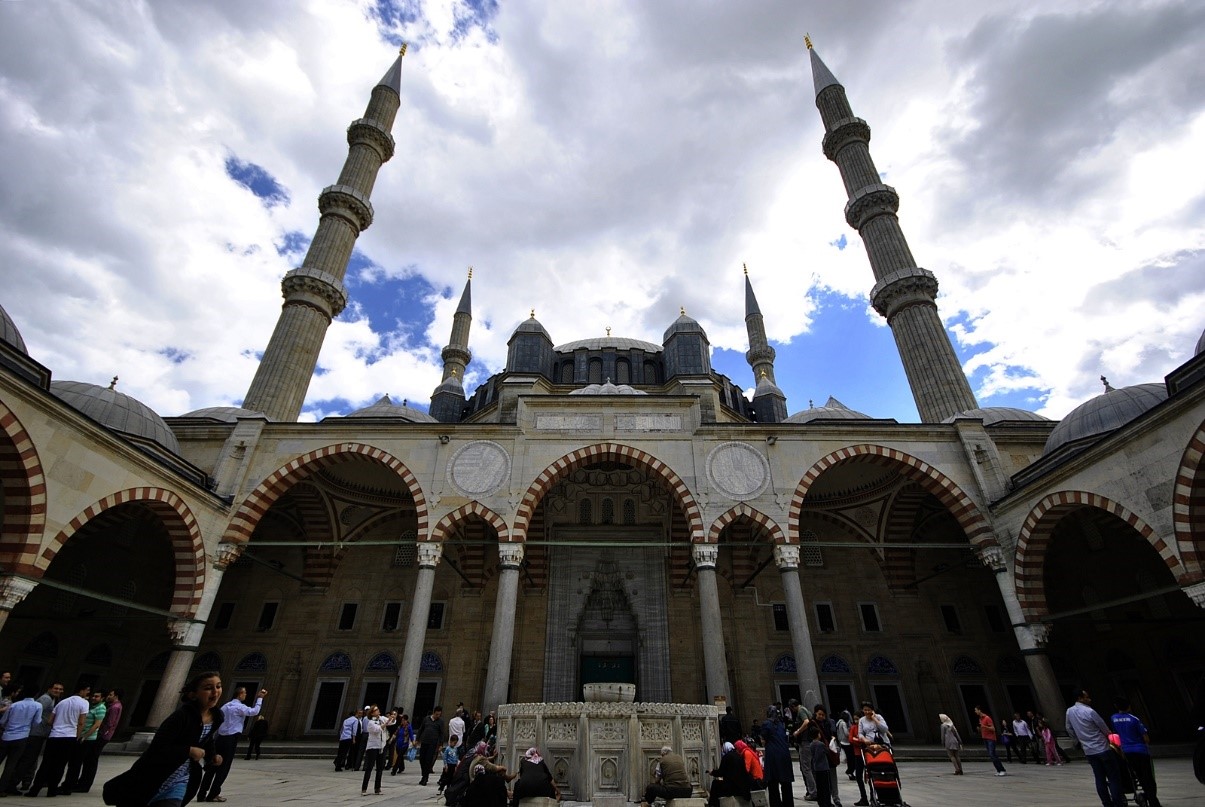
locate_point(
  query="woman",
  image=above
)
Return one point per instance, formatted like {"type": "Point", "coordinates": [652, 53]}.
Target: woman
{"type": "Point", "coordinates": [535, 780]}
{"type": "Point", "coordinates": [778, 768]}
{"type": "Point", "coordinates": [486, 789]}
{"type": "Point", "coordinates": [857, 763]}
{"type": "Point", "coordinates": [951, 741]}
{"type": "Point", "coordinates": [168, 774]}
{"type": "Point", "coordinates": [403, 738]}
{"type": "Point", "coordinates": [490, 737]}
{"type": "Point", "coordinates": [752, 764]}
{"type": "Point", "coordinates": [483, 757]}
{"type": "Point", "coordinates": [843, 740]}
{"type": "Point", "coordinates": [374, 749]}
{"type": "Point", "coordinates": [731, 778]}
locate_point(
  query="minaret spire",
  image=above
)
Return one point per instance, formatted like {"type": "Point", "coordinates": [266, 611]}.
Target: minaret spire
{"type": "Point", "coordinates": [903, 293]}
{"type": "Point", "coordinates": [769, 402]}
{"type": "Point", "coordinates": [314, 293]}
{"type": "Point", "coordinates": [447, 402]}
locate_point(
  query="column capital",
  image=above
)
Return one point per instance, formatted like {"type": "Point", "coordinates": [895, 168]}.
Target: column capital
{"type": "Point", "coordinates": [1040, 631]}
{"type": "Point", "coordinates": [993, 558]}
{"type": "Point", "coordinates": [705, 555]}
{"type": "Point", "coordinates": [786, 557]}
{"type": "Point", "coordinates": [1196, 593]}
{"type": "Point", "coordinates": [429, 554]}
{"type": "Point", "coordinates": [13, 590]}
{"type": "Point", "coordinates": [185, 634]}
{"type": "Point", "coordinates": [510, 555]}
{"type": "Point", "coordinates": [224, 555]}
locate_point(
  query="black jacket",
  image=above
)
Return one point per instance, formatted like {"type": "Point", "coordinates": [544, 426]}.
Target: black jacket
{"type": "Point", "coordinates": [167, 752]}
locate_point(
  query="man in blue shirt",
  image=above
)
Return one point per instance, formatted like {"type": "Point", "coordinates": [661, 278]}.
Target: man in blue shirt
{"type": "Point", "coordinates": [1086, 726]}
{"type": "Point", "coordinates": [1135, 744]}
{"type": "Point", "coordinates": [17, 722]}
{"type": "Point", "coordinates": [234, 715]}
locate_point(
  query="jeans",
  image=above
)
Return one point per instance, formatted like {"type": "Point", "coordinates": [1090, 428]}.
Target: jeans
{"type": "Point", "coordinates": [1144, 772]}
{"type": "Point", "coordinates": [211, 783]}
{"type": "Point", "coordinates": [1107, 771]}
{"type": "Point", "coordinates": [991, 754]}
{"type": "Point", "coordinates": [373, 758]}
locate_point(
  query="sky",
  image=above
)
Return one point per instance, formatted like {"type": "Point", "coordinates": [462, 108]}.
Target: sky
{"type": "Point", "coordinates": [604, 163]}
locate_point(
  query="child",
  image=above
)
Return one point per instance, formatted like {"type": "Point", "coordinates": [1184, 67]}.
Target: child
{"type": "Point", "coordinates": [820, 767]}
{"type": "Point", "coordinates": [1052, 750]}
{"type": "Point", "coordinates": [451, 759]}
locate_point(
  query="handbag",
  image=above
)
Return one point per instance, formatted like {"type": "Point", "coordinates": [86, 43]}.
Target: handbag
{"type": "Point", "coordinates": [760, 798]}
{"type": "Point", "coordinates": [412, 754]}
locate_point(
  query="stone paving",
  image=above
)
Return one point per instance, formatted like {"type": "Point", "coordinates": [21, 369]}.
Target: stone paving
{"type": "Point", "coordinates": [303, 782]}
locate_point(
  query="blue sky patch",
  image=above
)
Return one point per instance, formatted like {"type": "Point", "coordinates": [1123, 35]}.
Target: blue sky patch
{"type": "Point", "coordinates": [257, 180]}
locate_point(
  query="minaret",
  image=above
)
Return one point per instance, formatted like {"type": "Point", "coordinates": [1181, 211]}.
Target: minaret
{"type": "Point", "coordinates": [903, 292]}
{"type": "Point", "coordinates": [314, 294]}
{"type": "Point", "coordinates": [447, 402]}
{"type": "Point", "coordinates": [769, 402]}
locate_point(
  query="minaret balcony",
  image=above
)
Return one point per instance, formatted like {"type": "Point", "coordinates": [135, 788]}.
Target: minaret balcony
{"type": "Point", "coordinates": [348, 203]}
{"type": "Point", "coordinates": [369, 132]}
{"type": "Point", "coordinates": [844, 132]}
{"type": "Point", "coordinates": [869, 202]}
{"type": "Point", "coordinates": [899, 290]}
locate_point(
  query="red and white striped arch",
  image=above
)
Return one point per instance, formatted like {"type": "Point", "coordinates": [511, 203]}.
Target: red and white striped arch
{"type": "Point", "coordinates": [446, 525]}
{"type": "Point", "coordinates": [759, 518]}
{"type": "Point", "coordinates": [24, 485]}
{"type": "Point", "coordinates": [1188, 508]}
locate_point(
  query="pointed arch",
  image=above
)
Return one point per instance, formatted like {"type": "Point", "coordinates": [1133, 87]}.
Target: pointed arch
{"type": "Point", "coordinates": [756, 516]}
{"type": "Point", "coordinates": [24, 484]}
{"type": "Point", "coordinates": [242, 525]}
{"type": "Point", "coordinates": [616, 452]}
{"type": "Point", "coordinates": [968, 515]}
{"type": "Point", "coordinates": [188, 547]}
{"type": "Point", "coordinates": [443, 528]}
{"type": "Point", "coordinates": [1188, 508]}
{"type": "Point", "coordinates": [1033, 542]}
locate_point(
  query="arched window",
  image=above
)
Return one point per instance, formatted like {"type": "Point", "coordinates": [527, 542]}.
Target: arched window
{"type": "Point", "coordinates": [835, 665]}
{"type": "Point", "coordinates": [336, 662]}
{"type": "Point", "coordinates": [606, 513]}
{"type": "Point", "coordinates": [881, 665]}
{"type": "Point", "coordinates": [623, 371]}
{"type": "Point", "coordinates": [966, 666]}
{"type": "Point", "coordinates": [785, 664]}
{"type": "Point", "coordinates": [585, 512]}
{"type": "Point", "coordinates": [207, 662]}
{"type": "Point", "coordinates": [44, 645]}
{"type": "Point", "coordinates": [431, 663]}
{"type": "Point", "coordinates": [651, 376]}
{"type": "Point", "coordinates": [252, 662]}
{"type": "Point", "coordinates": [101, 656]}
{"type": "Point", "coordinates": [382, 662]}
{"type": "Point", "coordinates": [629, 512]}
{"type": "Point", "coordinates": [567, 373]}
{"type": "Point", "coordinates": [596, 371]}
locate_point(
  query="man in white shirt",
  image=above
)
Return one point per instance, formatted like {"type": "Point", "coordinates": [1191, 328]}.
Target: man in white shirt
{"type": "Point", "coordinates": [66, 729]}
{"type": "Point", "coordinates": [1024, 737]}
{"type": "Point", "coordinates": [456, 725]}
{"type": "Point", "coordinates": [234, 714]}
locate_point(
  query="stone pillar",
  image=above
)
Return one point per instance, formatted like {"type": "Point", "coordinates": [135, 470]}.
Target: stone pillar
{"type": "Point", "coordinates": [13, 590]}
{"type": "Point", "coordinates": [1196, 593]}
{"type": "Point", "coordinates": [429, 555]}
{"type": "Point", "coordinates": [715, 665]}
{"type": "Point", "coordinates": [1031, 638]}
{"type": "Point", "coordinates": [786, 557]}
{"type": "Point", "coordinates": [497, 677]}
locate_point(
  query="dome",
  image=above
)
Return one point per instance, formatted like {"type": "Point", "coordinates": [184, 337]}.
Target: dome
{"type": "Point", "coordinates": [767, 387]}
{"type": "Point", "coordinates": [613, 342]}
{"type": "Point", "coordinates": [832, 410]}
{"type": "Point", "coordinates": [997, 414]}
{"type": "Point", "coordinates": [1200, 342]}
{"type": "Point", "coordinates": [226, 414]}
{"type": "Point", "coordinates": [10, 334]}
{"type": "Point", "coordinates": [386, 408]}
{"type": "Point", "coordinates": [608, 389]}
{"type": "Point", "coordinates": [1105, 412]}
{"type": "Point", "coordinates": [683, 324]}
{"type": "Point", "coordinates": [117, 411]}
{"type": "Point", "coordinates": [532, 325]}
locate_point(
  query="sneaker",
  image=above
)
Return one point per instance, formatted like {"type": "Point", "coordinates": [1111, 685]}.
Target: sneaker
{"type": "Point", "coordinates": [1001, 773]}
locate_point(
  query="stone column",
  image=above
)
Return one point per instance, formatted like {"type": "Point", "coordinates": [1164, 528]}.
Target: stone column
{"type": "Point", "coordinates": [786, 557]}
{"type": "Point", "coordinates": [429, 555]}
{"type": "Point", "coordinates": [1031, 638]}
{"type": "Point", "coordinates": [715, 665]}
{"type": "Point", "coordinates": [13, 590]}
{"type": "Point", "coordinates": [497, 677]}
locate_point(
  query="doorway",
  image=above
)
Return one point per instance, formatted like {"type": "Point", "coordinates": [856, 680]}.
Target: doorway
{"type": "Point", "coordinates": [840, 697]}
{"type": "Point", "coordinates": [974, 695]}
{"type": "Point", "coordinates": [377, 693]}
{"type": "Point", "coordinates": [426, 696]}
{"type": "Point", "coordinates": [327, 710]}
{"type": "Point", "coordinates": [889, 702]}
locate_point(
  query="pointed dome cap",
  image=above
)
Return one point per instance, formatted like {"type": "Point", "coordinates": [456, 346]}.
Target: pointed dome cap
{"type": "Point", "coordinates": [226, 414]}
{"type": "Point", "coordinates": [531, 325]}
{"type": "Point", "coordinates": [751, 306]}
{"type": "Point", "coordinates": [117, 411]}
{"type": "Point", "coordinates": [832, 410]}
{"type": "Point", "coordinates": [767, 387]}
{"type": "Point", "coordinates": [386, 408]}
{"type": "Point", "coordinates": [10, 334]}
{"type": "Point", "coordinates": [1104, 413]}
{"type": "Point", "coordinates": [608, 389]}
{"type": "Point", "coordinates": [1200, 343]}
{"type": "Point", "coordinates": [997, 414]}
{"type": "Point", "coordinates": [822, 77]}
{"type": "Point", "coordinates": [683, 324]}
{"type": "Point", "coordinates": [466, 297]}
{"type": "Point", "coordinates": [393, 76]}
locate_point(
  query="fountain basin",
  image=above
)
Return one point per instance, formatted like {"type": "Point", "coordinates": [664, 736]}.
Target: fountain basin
{"type": "Point", "coordinates": [609, 693]}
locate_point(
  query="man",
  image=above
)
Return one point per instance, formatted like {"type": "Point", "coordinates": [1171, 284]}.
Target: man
{"type": "Point", "coordinates": [112, 717]}
{"type": "Point", "coordinates": [96, 738]}
{"type": "Point", "coordinates": [347, 742]}
{"type": "Point", "coordinates": [672, 781]}
{"type": "Point", "coordinates": [364, 715]}
{"type": "Point", "coordinates": [430, 735]}
{"type": "Point", "coordinates": [66, 728]}
{"type": "Point", "coordinates": [456, 724]}
{"type": "Point", "coordinates": [234, 714]}
{"type": "Point", "coordinates": [81, 755]}
{"type": "Point", "coordinates": [797, 724]}
{"type": "Point", "coordinates": [476, 733]}
{"type": "Point", "coordinates": [1088, 728]}
{"type": "Point", "coordinates": [828, 729]}
{"type": "Point", "coordinates": [730, 726]}
{"type": "Point", "coordinates": [18, 721]}
{"type": "Point", "coordinates": [987, 733]}
{"type": "Point", "coordinates": [1135, 746]}
{"type": "Point", "coordinates": [38, 735]}
{"type": "Point", "coordinates": [1023, 735]}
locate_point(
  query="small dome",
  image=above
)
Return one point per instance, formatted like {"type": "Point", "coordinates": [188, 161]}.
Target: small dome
{"type": "Point", "coordinates": [532, 325]}
{"type": "Point", "coordinates": [613, 342]}
{"type": "Point", "coordinates": [997, 414]}
{"type": "Point", "coordinates": [1105, 412]}
{"type": "Point", "coordinates": [10, 334]}
{"type": "Point", "coordinates": [117, 411]}
{"type": "Point", "coordinates": [683, 324]}
{"type": "Point", "coordinates": [226, 414]}
{"type": "Point", "coordinates": [608, 389]}
{"type": "Point", "coordinates": [767, 387]}
{"type": "Point", "coordinates": [832, 410]}
{"type": "Point", "coordinates": [1200, 343]}
{"type": "Point", "coordinates": [386, 408]}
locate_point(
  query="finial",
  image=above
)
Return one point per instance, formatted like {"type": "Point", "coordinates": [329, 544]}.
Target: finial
{"type": "Point", "coordinates": [405, 401]}
{"type": "Point", "coordinates": [533, 313]}
{"type": "Point", "coordinates": [113, 383]}
{"type": "Point", "coordinates": [745, 266]}
{"type": "Point", "coordinates": [402, 50]}
{"type": "Point", "coordinates": [763, 373]}
{"type": "Point", "coordinates": [807, 40]}
{"type": "Point", "coordinates": [608, 330]}
{"type": "Point", "coordinates": [682, 310]}
{"type": "Point", "coordinates": [811, 405]}
{"type": "Point", "coordinates": [470, 273]}
{"type": "Point", "coordinates": [1103, 380]}
{"type": "Point", "coordinates": [454, 371]}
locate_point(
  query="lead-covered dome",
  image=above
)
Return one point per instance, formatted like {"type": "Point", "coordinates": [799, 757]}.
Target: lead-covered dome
{"type": "Point", "coordinates": [226, 414]}
{"type": "Point", "coordinates": [832, 410]}
{"type": "Point", "coordinates": [386, 408]}
{"type": "Point", "coordinates": [1200, 345]}
{"type": "Point", "coordinates": [997, 414]}
{"type": "Point", "coordinates": [117, 411]}
{"type": "Point", "coordinates": [1104, 413]}
{"type": "Point", "coordinates": [608, 342]}
{"type": "Point", "coordinates": [10, 334]}
{"type": "Point", "coordinates": [683, 324]}
{"type": "Point", "coordinates": [608, 389]}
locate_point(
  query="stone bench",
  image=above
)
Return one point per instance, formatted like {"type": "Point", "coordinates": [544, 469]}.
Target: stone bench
{"type": "Point", "coordinates": [538, 801]}
{"type": "Point", "coordinates": [686, 803]}
{"type": "Point", "coordinates": [733, 801]}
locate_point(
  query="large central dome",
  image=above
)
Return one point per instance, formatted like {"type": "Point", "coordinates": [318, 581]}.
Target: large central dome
{"type": "Point", "coordinates": [604, 342]}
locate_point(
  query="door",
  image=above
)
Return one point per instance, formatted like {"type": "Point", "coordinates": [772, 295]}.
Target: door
{"type": "Point", "coordinates": [377, 693]}
{"type": "Point", "coordinates": [1021, 697]}
{"type": "Point", "coordinates": [327, 711]}
{"type": "Point", "coordinates": [889, 702]}
{"type": "Point", "coordinates": [839, 698]}
{"type": "Point", "coordinates": [141, 712]}
{"type": "Point", "coordinates": [788, 692]}
{"type": "Point", "coordinates": [973, 695]}
{"type": "Point", "coordinates": [425, 696]}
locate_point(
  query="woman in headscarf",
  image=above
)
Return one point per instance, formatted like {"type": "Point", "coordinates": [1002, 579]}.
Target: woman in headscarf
{"type": "Point", "coordinates": [487, 789]}
{"type": "Point", "coordinates": [752, 763]}
{"type": "Point", "coordinates": [951, 742]}
{"type": "Point", "coordinates": [535, 780]}
{"type": "Point", "coordinates": [483, 756]}
{"type": "Point", "coordinates": [731, 778]}
{"type": "Point", "coordinates": [779, 770]}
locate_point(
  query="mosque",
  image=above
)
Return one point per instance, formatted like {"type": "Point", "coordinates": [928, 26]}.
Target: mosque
{"type": "Point", "coordinates": [606, 509]}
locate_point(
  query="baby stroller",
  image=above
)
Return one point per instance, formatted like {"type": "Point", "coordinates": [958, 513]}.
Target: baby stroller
{"type": "Point", "coordinates": [883, 777]}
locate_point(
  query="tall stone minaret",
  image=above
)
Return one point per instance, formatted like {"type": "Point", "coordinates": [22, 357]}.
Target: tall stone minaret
{"type": "Point", "coordinates": [447, 402]}
{"type": "Point", "coordinates": [903, 292]}
{"type": "Point", "coordinates": [314, 294]}
{"type": "Point", "coordinates": [769, 402]}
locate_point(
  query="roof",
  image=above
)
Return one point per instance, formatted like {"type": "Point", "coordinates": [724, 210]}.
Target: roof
{"type": "Point", "coordinates": [1104, 413]}
{"type": "Point", "coordinates": [10, 334]}
{"type": "Point", "coordinates": [832, 410]}
{"type": "Point", "coordinates": [822, 77]}
{"type": "Point", "coordinates": [997, 414]}
{"type": "Point", "coordinates": [604, 342]}
{"type": "Point", "coordinates": [386, 408]}
{"type": "Point", "coordinates": [117, 411]}
{"type": "Point", "coordinates": [226, 414]}
{"type": "Point", "coordinates": [608, 389]}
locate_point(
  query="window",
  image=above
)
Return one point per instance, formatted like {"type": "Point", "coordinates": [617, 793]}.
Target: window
{"type": "Point", "coordinates": [585, 512]}
{"type": "Point", "coordinates": [950, 615]}
{"type": "Point", "coordinates": [225, 614]}
{"type": "Point", "coordinates": [607, 511]}
{"type": "Point", "coordinates": [826, 622]}
{"type": "Point", "coordinates": [392, 620]}
{"type": "Point", "coordinates": [870, 617]}
{"type": "Point", "coordinates": [567, 373]}
{"type": "Point", "coordinates": [267, 616]}
{"type": "Point", "coordinates": [812, 556]}
{"type": "Point", "coordinates": [435, 618]}
{"type": "Point", "coordinates": [623, 371]}
{"type": "Point", "coordinates": [995, 619]}
{"type": "Point", "coordinates": [347, 615]}
{"type": "Point", "coordinates": [780, 617]}
{"type": "Point", "coordinates": [629, 512]}
{"type": "Point", "coordinates": [596, 371]}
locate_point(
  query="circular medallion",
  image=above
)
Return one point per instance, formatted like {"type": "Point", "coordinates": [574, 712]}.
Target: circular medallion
{"type": "Point", "coordinates": [479, 468]}
{"type": "Point", "coordinates": [738, 470]}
